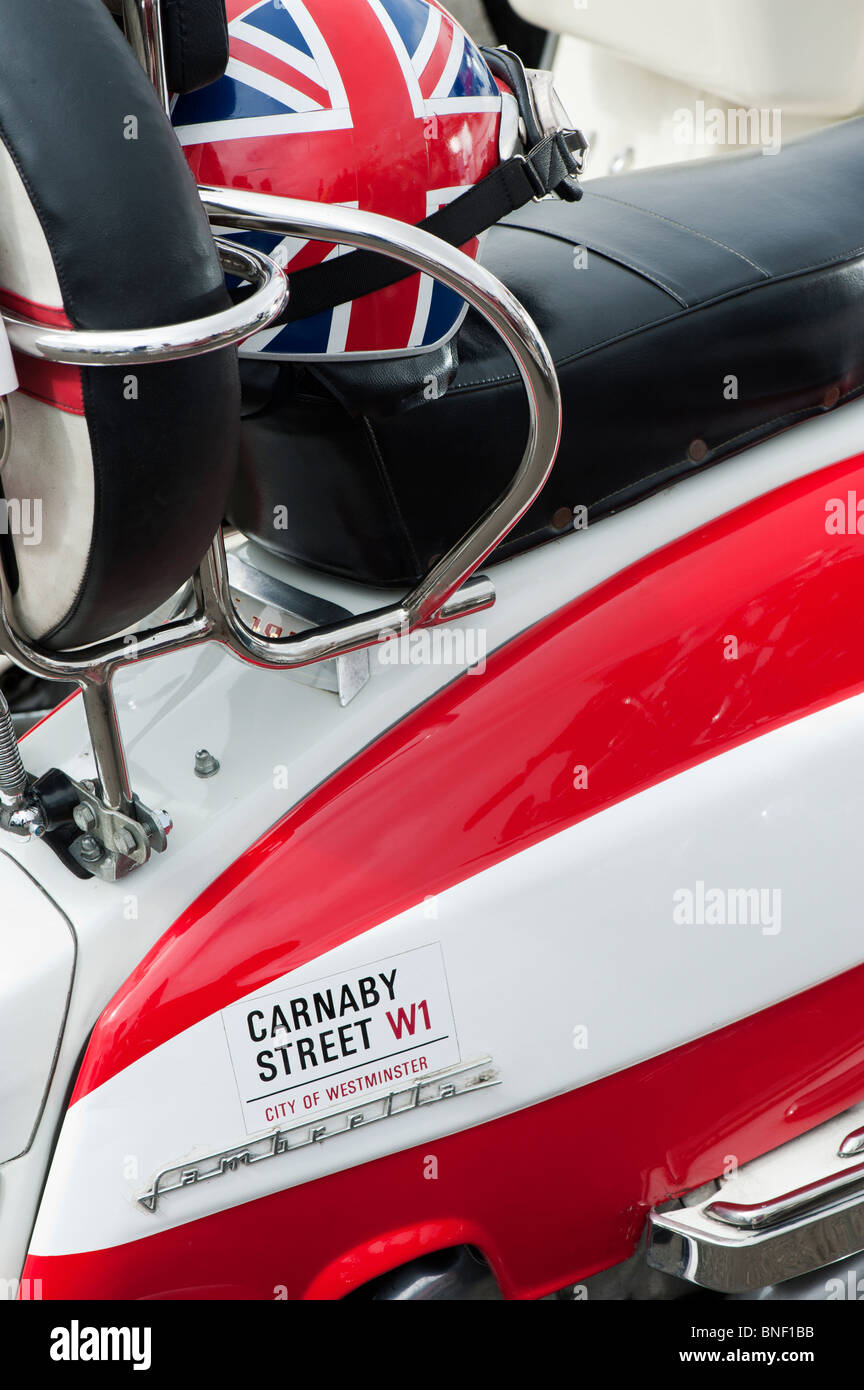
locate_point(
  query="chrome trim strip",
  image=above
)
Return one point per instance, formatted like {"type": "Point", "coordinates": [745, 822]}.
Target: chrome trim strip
{"type": "Point", "coordinates": [741, 1246]}
{"type": "Point", "coordinates": [813, 1198]}
{"type": "Point", "coordinates": [140, 346]}
{"type": "Point", "coordinates": [852, 1144]}
{"type": "Point", "coordinates": [731, 1261]}
{"type": "Point", "coordinates": [385, 1105]}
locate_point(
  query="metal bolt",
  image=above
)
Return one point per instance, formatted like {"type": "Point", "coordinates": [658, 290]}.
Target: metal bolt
{"type": "Point", "coordinates": [124, 841]}
{"type": "Point", "coordinates": [13, 778]}
{"type": "Point", "coordinates": [84, 816]}
{"type": "Point", "coordinates": [205, 764]}
{"type": "Point", "coordinates": [90, 849]}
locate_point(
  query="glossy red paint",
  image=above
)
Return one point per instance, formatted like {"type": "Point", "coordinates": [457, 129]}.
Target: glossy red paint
{"type": "Point", "coordinates": [550, 1194]}
{"type": "Point", "coordinates": [632, 673]}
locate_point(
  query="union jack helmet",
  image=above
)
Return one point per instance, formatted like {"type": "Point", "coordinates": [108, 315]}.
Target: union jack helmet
{"type": "Point", "coordinates": [384, 105]}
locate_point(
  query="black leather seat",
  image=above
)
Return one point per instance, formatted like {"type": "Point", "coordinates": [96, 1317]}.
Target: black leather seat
{"type": "Point", "coordinates": [749, 268]}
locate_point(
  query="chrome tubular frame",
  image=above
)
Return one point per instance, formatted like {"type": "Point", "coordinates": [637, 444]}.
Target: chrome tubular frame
{"type": "Point", "coordinates": [142, 22]}
{"type": "Point", "coordinates": [486, 294]}
{"type": "Point", "coordinates": [137, 347]}
{"type": "Point", "coordinates": [447, 592]}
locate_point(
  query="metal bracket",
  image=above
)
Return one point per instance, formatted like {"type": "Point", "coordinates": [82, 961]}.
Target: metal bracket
{"type": "Point", "coordinates": [112, 843]}
{"type": "Point", "coordinates": [254, 589]}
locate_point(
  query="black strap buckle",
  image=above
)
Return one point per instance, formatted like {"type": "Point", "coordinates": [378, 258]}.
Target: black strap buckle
{"type": "Point", "coordinates": [539, 188]}
{"type": "Point", "coordinates": [553, 167]}
{"type": "Point", "coordinates": [543, 119]}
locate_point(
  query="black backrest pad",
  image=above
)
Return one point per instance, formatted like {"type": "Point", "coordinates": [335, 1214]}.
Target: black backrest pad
{"type": "Point", "coordinates": [131, 248]}
{"type": "Point", "coordinates": [196, 42]}
{"type": "Point", "coordinates": [195, 36]}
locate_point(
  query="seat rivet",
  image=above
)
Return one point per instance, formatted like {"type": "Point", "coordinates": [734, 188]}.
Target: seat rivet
{"type": "Point", "coordinates": [562, 518]}
{"type": "Point", "coordinates": [205, 764]}
{"type": "Point", "coordinates": [831, 397]}
{"type": "Point", "coordinates": [697, 450]}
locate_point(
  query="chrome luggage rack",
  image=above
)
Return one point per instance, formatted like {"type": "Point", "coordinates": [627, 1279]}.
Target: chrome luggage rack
{"type": "Point", "coordinates": [122, 830]}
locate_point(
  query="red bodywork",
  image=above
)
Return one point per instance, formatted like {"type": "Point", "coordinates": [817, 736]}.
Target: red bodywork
{"type": "Point", "coordinates": [634, 675]}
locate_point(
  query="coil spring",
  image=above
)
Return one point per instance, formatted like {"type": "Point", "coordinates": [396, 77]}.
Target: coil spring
{"type": "Point", "coordinates": [13, 778]}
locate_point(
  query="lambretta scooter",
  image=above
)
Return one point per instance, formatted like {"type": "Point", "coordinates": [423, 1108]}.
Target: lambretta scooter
{"type": "Point", "coordinates": [370, 925]}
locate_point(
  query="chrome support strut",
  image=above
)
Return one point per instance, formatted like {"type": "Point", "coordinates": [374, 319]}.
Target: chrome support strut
{"type": "Point", "coordinates": [448, 591]}
{"type": "Point", "coordinates": [142, 22]}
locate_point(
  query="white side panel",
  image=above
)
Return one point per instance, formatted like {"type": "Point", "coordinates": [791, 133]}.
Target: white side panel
{"type": "Point", "coordinates": [565, 963]}
{"type": "Point", "coordinates": [637, 119]}
{"type": "Point", "coordinates": [760, 52]}
{"type": "Point", "coordinates": [37, 958]}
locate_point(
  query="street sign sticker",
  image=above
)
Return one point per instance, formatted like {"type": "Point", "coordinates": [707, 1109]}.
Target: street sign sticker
{"type": "Point", "coordinates": [307, 1047]}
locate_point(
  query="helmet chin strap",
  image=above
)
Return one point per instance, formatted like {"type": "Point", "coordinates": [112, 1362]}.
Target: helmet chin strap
{"type": "Point", "coordinates": [552, 163]}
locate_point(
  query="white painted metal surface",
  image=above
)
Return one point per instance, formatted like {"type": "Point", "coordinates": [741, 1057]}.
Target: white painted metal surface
{"type": "Point", "coordinates": [37, 956]}
{"type": "Point", "coordinates": [759, 52]}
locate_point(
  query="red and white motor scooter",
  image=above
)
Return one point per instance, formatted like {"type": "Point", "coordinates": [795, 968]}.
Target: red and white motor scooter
{"type": "Point", "coordinates": [495, 933]}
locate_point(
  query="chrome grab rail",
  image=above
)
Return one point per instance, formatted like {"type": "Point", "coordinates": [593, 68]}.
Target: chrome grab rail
{"type": "Point", "coordinates": [486, 294]}
{"type": "Point", "coordinates": [140, 346]}
{"type": "Point", "coordinates": [446, 592]}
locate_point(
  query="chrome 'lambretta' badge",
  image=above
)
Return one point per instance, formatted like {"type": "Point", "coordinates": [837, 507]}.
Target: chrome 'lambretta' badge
{"type": "Point", "coordinates": [438, 1086]}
